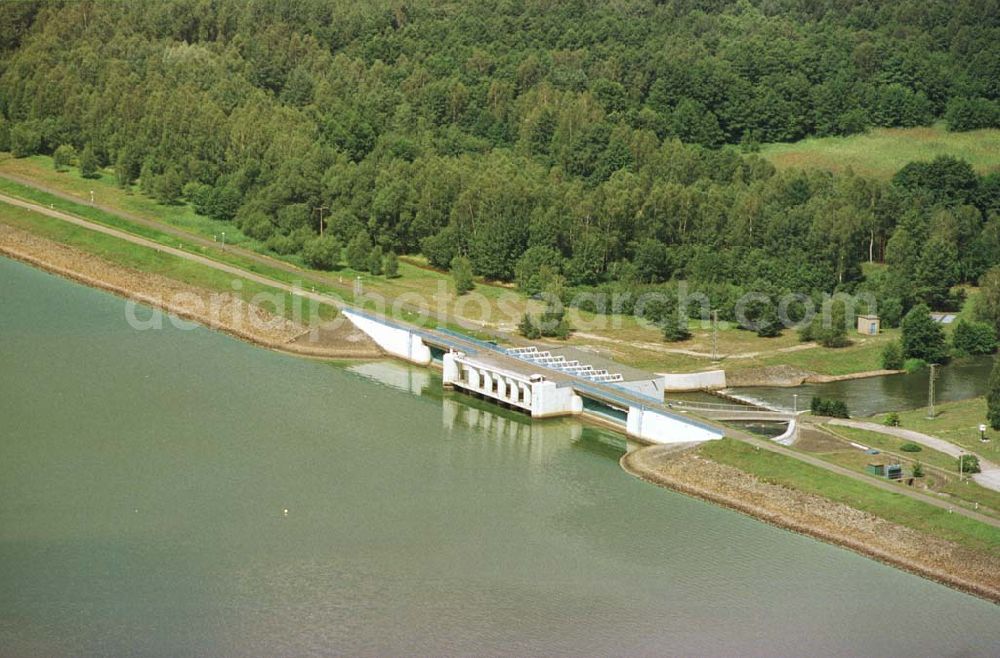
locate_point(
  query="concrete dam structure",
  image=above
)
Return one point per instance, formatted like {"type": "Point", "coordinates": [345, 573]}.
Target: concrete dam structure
{"type": "Point", "coordinates": [538, 383]}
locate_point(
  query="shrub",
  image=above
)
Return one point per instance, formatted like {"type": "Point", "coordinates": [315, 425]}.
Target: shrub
{"type": "Point", "coordinates": [993, 396]}
{"type": "Point", "coordinates": [281, 244]}
{"type": "Point", "coordinates": [358, 250]}
{"type": "Point", "coordinates": [675, 328]}
{"type": "Point", "coordinates": [968, 463]}
{"type": "Point", "coordinates": [973, 338]}
{"type": "Point", "coordinates": [391, 266]}
{"type": "Point", "coordinates": [375, 260]}
{"type": "Point", "coordinates": [89, 165]}
{"type": "Point", "coordinates": [914, 365]}
{"type": "Point", "coordinates": [910, 447]}
{"type": "Point", "coordinates": [63, 156]}
{"type": "Point", "coordinates": [528, 328]}
{"type": "Point", "coordinates": [918, 470]}
{"type": "Point", "coordinates": [461, 272]}
{"type": "Point", "coordinates": [892, 420]}
{"type": "Point", "coordinates": [892, 356]}
{"type": "Point", "coordinates": [971, 114]}
{"type": "Point", "coordinates": [322, 253]}
{"type": "Point", "coordinates": [832, 408]}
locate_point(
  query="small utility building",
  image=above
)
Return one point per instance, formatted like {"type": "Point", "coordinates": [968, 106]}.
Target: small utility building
{"type": "Point", "coordinates": [883, 470]}
{"type": "Point", "coordinates": [868, 325]}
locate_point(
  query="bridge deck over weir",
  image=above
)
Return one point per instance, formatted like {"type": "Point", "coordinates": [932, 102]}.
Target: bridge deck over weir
{"type": "Point", "coordinates": [490, 371]}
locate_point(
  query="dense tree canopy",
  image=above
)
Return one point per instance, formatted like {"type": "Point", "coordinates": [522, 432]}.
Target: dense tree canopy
{"type": "Point", "coordinates": [586, 138]}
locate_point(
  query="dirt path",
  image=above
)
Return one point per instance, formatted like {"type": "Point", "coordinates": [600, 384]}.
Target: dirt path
{"type": "Point", "coordinates": [989, 477]}
{"type": "Point", "coordinates": [977, 572]}
{"type": "Point", "coordinates": [309, 276]}
{"type": "Point", "coordinates": [654, 347]}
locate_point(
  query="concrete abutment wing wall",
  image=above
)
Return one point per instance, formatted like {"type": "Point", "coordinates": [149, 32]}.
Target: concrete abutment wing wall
{"type": "Point", "coordinates": [660, 427]}
{"type": "Point", "coordinates": [397, 341]}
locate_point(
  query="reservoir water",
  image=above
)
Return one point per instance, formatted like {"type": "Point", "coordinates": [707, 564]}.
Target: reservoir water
{"type": "Point", "coordinates": [180, 493]}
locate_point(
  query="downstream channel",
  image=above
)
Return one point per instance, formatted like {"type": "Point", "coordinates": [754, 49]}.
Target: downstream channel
{"type": "Point", "coordinates": [959, 380]}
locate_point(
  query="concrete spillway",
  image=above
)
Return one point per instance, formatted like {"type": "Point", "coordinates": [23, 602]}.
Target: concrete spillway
{"type": "Point", "coordinates": [494, 374]}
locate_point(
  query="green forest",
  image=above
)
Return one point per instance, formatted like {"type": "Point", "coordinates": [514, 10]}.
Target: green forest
{"type": "Point", "coordinates": [576, 144]}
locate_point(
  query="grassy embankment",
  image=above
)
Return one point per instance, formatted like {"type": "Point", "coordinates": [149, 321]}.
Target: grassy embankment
{"type": "Point", "coordinates": [620, 337]}
{"type": "Point", "coordinates": [898, 508]}
{"type": "Point", "coordinates": [940, 470]}
{"type": "Point", "coordinates": [882, 152]}
{"type": "Point", "coordinates": [150, 260]}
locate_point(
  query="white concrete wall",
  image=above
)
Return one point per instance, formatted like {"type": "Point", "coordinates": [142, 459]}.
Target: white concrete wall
{"type": "Point", "coordinates": [548, 400]}
{"type": "Point", "coordinates": [543, 399]}
{"type": "Point", "coordinates": [651, 425]}
{"type": "Point", "coordinates": [694, 381]}
{"type": "Point", "coordinates": [451, 371]}
{"type": "Point", "coordinates": [394, 340]}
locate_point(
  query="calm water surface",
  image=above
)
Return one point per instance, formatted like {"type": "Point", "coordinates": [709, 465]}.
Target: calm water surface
{"type": "Point", "coordinates": [959, 380]}
{"type": "Point", "coordinates": [143, 478]}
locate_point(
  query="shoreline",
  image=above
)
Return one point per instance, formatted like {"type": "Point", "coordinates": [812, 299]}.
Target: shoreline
{"type": "Point", "coordinates": [282, 335]}
{"type": "Point", "coordinates": [791, 377]}
{"type": "Point", "coordinates": [680, 470]}
{"type": "Point", "coordinates": [646, 463]}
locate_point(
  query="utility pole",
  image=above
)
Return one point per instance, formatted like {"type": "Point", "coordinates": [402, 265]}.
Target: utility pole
{"type": "Point", "coordinates": [930, 392]}
{"type": "Point", "coordinates": [320, 210]}
{"type": "Point", "coordinates": [715, 335]}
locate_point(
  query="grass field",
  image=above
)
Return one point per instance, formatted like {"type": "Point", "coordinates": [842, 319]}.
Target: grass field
{"type": "Point", "coordinates": [940, 469]}
{"type": "Point", "coordinates": [884, 151]}
{"type": "Point", "coordinates": [787, 471]}
{"type": "Point", "coordinates": [956, 422]}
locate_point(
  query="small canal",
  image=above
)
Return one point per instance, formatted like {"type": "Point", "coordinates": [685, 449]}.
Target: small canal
{"type": "Point", "coordinates": [959, 380]}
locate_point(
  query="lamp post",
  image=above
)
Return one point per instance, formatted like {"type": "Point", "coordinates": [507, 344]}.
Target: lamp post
{"type": "Point", "coordinates": [795, 403]}
{"type": "Point", "coordinates": [982, 432]}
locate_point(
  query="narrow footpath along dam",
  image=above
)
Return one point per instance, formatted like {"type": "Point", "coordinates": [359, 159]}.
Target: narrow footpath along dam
{"type": "Point", "coordinates": [539, 383]}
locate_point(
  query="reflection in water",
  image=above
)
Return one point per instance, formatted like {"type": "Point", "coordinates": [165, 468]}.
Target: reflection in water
{"type": "Point", "coordinates": [395, 374]}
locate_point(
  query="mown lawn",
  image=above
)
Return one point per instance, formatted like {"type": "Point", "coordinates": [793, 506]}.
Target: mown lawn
{"type": "Point", "coordinates": [957, 422]}
{"type": "Point", "coordinates": [898, 508]}
{"type": "Point", "coordinates": [882, 152]}
{"type": "Point", "coordinates": [939, 467]}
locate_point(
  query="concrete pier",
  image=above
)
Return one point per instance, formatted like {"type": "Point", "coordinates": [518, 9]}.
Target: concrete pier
{"type": "Point", "coordinates": [530, 393]}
